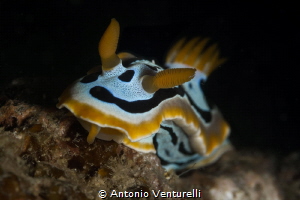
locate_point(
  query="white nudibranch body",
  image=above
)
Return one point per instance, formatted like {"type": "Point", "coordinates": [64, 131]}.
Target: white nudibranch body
{"type": "Point", "coordinates": [150, 108]}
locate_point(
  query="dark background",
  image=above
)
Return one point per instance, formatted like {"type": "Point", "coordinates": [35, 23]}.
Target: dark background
{"type": "Point", "coordinates": [257, 89]}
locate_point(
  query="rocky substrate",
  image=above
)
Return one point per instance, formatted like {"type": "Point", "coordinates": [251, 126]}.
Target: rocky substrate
{"type": "Point", "coordinates": [44, 155]}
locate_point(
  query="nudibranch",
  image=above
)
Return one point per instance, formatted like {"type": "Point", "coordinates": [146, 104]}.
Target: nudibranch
{"type": "Point", "coordinates": [149, 108]}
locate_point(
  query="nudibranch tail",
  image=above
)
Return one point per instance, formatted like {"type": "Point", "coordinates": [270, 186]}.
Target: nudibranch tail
{"type": "Point", "coordinates": [167, 79]}
{"type": "Point", "coordinates": [108, 46]}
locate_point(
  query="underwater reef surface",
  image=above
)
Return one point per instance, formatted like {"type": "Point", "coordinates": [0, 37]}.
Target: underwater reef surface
{"type": "Point", "coordinates": [44, 155]}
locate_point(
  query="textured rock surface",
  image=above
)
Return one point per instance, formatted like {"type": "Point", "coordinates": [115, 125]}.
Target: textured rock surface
{"type": "Point", "coordinates": [44, 155]}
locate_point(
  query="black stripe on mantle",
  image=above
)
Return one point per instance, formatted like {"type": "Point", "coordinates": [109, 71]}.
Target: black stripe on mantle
{"type": "Point", "coordinates": [139, 106]}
